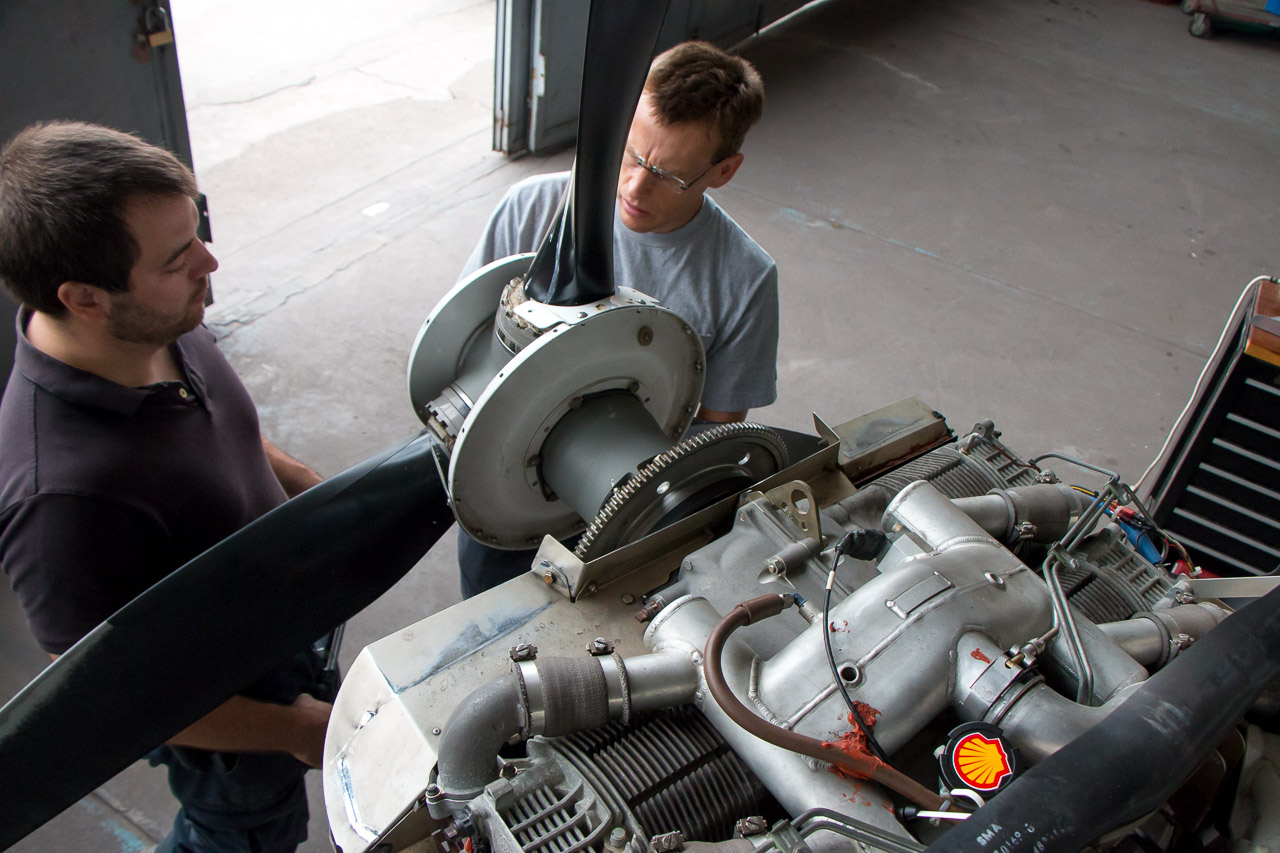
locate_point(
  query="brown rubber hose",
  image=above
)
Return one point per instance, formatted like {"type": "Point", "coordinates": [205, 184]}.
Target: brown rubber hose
{"type": "Point", "coordinates": [860, 766]}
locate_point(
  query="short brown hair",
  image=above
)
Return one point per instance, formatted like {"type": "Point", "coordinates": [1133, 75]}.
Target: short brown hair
{"type": "Point", "coordinates": [63, 189]}
{"type": "Point", "coordinates": [697, 81]}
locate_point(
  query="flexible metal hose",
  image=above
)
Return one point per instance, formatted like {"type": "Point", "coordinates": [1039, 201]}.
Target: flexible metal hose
{"type": "Point", "coordinates": [860, 766]}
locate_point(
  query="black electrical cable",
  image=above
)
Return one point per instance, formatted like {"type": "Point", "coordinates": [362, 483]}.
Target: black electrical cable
{"type": "Point", "coordinates": [872, 743]}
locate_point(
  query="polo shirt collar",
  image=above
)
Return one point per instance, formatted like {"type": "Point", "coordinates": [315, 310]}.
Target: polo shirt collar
{"type": "Point", "coordinates": [82, 388]}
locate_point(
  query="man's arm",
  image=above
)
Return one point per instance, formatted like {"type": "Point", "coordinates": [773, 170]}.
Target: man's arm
{"type": "Point", "coordinates": [246, 725]}
{"type": "Point", "coordinates": [295, 477]}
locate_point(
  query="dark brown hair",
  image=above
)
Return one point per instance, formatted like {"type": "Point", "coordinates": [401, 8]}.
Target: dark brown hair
{"type": "Point", "coordinates": [63, 189]}
{"type": "Point", "coordinates": [697, 81]}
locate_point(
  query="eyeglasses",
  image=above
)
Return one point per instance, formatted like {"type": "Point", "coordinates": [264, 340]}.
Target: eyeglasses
{"type": "Point", "coordinates": [668, 180]}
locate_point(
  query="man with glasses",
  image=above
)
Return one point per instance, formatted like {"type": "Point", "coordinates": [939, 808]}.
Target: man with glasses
{"type": "Point", "coordinates": [670, 241]}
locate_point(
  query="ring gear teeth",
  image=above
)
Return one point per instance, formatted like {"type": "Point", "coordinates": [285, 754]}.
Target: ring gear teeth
{"type": "Point", "coordinates": [615, 507]}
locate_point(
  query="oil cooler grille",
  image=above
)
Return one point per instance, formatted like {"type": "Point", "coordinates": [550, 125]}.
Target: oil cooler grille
{"type": "Point", "coordinates": [1224, 503]}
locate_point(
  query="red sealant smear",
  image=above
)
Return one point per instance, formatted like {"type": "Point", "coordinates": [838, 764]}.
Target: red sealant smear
{"type": "Point", "coordinates": [977, 654]}
{"type": "Point", "coordinates": [854, 742]}
{"type": "Point", "coordinates": [842, 626]}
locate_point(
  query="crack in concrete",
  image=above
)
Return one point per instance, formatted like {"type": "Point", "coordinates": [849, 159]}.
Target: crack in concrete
{"type": "Point", "coordinates": [262, 96]}
{"type": "Point", "coordinates": [904, 74]}
{"type": "Point", "coordinates": [376, 76]}
{"type": "Point", "coordinates": [230, 325]}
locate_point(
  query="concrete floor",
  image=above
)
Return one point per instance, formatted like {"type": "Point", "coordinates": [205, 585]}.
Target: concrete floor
{"type": "Point", "coordinates": [1036, 211]}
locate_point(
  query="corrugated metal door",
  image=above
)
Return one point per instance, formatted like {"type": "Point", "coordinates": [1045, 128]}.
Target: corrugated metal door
{"type": "Point", "coordinates": [90, 61]}
{"type": "Point", "coordinates": [540, 49]}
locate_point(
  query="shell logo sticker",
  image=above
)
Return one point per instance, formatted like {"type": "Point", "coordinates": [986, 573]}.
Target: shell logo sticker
{"type": "Point", "coordinates": [981, 762]}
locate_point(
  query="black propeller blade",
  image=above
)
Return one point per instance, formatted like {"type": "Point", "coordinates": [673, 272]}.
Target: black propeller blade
{"type": "Point", "coordinates": [213, 626]}
{"type": "Point", "coordinates": [574, 265]}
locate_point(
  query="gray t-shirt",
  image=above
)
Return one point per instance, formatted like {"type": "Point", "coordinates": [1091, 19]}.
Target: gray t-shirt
{"type": "Point", "coordinates": [709, 271]}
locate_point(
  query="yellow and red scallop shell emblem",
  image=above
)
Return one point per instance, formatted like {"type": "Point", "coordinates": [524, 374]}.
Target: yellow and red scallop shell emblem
{"type": "Point", "coordinates": [981, 762]}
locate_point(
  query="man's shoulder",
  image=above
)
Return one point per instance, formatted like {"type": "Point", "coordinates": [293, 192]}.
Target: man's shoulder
{"type": "Point", "coordinates": [735, 244]}
{"type": "Point", "coordinates": [61, 456]}
{"type": "Point", "coordinates": [17, 442]}
{"type": "Point", "coordinates": [535, 188]}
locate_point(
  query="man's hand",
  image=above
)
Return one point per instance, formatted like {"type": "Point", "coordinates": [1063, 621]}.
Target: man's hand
{"type": "Point", "coordinates": [312, 722]}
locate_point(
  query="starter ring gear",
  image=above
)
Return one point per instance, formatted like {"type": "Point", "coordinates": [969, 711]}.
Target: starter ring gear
{"type": "Point", "coordinates": [691, 475]}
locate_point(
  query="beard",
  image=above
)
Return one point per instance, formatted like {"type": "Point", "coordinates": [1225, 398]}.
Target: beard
{"type": "Point", "coordinates": [134, 323]}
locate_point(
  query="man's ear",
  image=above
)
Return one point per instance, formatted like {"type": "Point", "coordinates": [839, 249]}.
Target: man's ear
{"type": "Point", "coordinates": [724, 171]}
{"type": "Point", "coordinates": [83, 301]}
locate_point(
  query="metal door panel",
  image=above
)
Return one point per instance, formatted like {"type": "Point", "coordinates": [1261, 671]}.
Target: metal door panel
{"type": "Point", "coordinates": [79, 59]}
{"type": "Point", "coordinates": [556, 32]}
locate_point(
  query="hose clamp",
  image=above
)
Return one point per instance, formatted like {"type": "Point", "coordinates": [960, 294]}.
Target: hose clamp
{"type": "Point", "coordinates": [532, 698]}
{"type": "Point", "coordinates": [619, 688]}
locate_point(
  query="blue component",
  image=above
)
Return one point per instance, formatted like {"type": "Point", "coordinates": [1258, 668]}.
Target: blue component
{"type": "Point", "coordinates": [1141, 541]}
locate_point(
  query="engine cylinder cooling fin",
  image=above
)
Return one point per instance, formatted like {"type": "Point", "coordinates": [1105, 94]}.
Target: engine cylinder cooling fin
{"type": "Point", "coordinates": [1112, 556]}
{"type": "Point", "coordinates": [672, 771]}
{"type": "Point", "coordinates": [1095, 595]}
{"type": "Point", "coordinates": [1111, 582]}
{"type": "Point", "coordinates": [953, 473]}
{"type": "Point", "coordinates": [546, 820]}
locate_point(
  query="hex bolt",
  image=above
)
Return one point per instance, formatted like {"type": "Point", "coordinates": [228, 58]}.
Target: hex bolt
{"type": "Point", "coordinates": [599, 646]}
{"type": "Point", "coordinates": [753, 825]}
{"type": "Point", "coordinates": [508, 771]}
{"type": "Point", "coordinates": [628, 598]}
{"type": "Point", "coordinates": [618, 836]}
{"type": "Point", "coordinates": [548, 577]}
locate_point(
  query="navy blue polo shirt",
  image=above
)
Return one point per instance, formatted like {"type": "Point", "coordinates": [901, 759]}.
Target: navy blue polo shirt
{"type": "Point", "coordinates": [105, 489]}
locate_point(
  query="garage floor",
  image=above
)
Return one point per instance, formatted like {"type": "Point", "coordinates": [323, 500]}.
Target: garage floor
{"type": "Point", "coordinates": [1035, 211]}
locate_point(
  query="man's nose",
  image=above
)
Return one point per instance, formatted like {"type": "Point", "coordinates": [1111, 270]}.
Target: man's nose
{"type": "Point", "coordinates": [207, 263]}
{"type": "Point", "coordinates": [637, 181]}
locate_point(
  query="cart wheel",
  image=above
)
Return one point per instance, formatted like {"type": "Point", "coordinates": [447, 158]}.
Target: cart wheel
{"type": "Point", "coordinates": [1188, 6]}
{"type": "Point", "coordinates": [1200, 27]}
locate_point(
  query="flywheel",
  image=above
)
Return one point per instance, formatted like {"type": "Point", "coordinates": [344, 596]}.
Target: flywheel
{"type": "Point", "coordinates": [676, 483]}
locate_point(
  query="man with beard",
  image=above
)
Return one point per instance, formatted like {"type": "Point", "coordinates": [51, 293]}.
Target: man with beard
{"type": "Point", "coordinates": [128, 446]}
